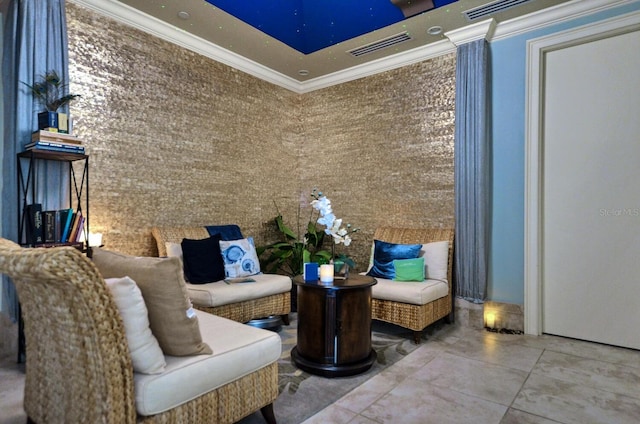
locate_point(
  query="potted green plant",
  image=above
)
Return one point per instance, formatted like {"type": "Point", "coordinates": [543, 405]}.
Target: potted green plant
{"type": "Point", "coordinates": [288, 255]}
{"type": "Point", "coordinates": [51, 92]}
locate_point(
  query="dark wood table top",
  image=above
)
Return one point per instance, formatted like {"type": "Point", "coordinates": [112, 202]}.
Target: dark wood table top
{"type": "Point", "coordinates": [355, 281]}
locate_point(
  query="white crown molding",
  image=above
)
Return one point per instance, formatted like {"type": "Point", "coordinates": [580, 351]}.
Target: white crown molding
{"type": "Point", "coordinates": [409, 57]}
{"type": "Point", "coordinates": [485, 29]}
{"type": "Point", "coordinates": [146, 23]}
{"type": "Point", "coordinates": [473, 32]}
{"type": "Point", "coordinates": [554, 15]}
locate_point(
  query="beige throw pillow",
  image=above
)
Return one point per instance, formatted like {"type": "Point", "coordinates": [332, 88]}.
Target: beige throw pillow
{"type": "Point", "coordinates": [171, 316]}
{"type": "Point", "coordinates": [146, 354]}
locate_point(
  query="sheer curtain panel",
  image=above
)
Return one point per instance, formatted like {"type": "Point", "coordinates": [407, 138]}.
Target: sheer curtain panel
{"type": "Point", "coordinates": [35, 41]}
{"type": "Point", "coordinates": [472, 171]}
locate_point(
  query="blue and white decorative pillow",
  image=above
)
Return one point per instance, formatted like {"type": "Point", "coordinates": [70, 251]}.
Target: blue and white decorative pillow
{"type": "Point", "coordinates": [240, 258]}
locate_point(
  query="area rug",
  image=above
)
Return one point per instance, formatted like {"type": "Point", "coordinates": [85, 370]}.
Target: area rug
{"type": "Point", "coordinates": [302, 395]}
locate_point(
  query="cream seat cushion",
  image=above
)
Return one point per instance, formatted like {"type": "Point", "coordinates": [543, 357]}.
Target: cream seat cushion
{"type": "Point", "coordinates": [238, 350]}
{"type": "Point", "coordinates": [414, 292]}
{"type": "Point", "coordinates": [221, 293]}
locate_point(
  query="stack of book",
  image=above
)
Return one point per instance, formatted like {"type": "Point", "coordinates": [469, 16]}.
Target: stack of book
{"type": "Point", "coordinates": [63, 226]}
{"type": "Point", "coordinates": [56, 142]}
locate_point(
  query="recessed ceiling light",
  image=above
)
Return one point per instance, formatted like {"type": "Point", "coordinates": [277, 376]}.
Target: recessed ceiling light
{"type": "Point", "coordinates": [434, 30]}
{"type": "Point", "coordinates": [303, 72]}
{"type": "Point", "coordinates": [183, 15]}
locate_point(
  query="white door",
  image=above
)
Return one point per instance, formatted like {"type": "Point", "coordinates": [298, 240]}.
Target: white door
{"type": "Point", "coordinates": [591, 191]}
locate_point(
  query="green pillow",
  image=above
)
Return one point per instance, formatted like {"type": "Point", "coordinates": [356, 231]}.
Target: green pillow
{"type": "Point", "coordinates": [409, 269]}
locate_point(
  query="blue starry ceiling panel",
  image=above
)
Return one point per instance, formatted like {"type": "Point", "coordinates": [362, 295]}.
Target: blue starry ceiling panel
{"type": "Point", "coordinates": [311, 25]}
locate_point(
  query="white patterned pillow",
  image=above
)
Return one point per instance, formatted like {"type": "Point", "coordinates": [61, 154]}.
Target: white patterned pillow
{"type": "Point", "coordinates": [146, 355]}
{"type": "Point", "coordinates": [240, 258]}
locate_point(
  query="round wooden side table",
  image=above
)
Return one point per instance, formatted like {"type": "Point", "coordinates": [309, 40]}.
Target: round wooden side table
{"type": "Point", "coordinates": [334, 326]}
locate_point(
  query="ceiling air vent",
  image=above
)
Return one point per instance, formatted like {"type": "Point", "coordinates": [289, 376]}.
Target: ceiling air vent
{"type": "Point", "coordinates": [379, 45]}
{"type": "Point", "coordinates": [491, 8]}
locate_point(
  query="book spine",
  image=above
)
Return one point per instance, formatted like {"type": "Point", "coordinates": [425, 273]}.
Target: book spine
{"type": "Point", "coordinates": [58, 225]}
{"type": "Point", "coordinates": [49, 218]}
{"type": "Point", "coordinates": [54, 136]}
{"type": "Point", "coordinates": [34, 230]}
{"type": "Point", "coordinates": [67, 217]}
{"type": "Point", "coordinates": [74, 227]}
{"type": "Point", "coordinates": [41, 143]}
{"type": "Point", "coordinates": [80, 232]}
{"type": "Point", "coordinates": [78, 151]}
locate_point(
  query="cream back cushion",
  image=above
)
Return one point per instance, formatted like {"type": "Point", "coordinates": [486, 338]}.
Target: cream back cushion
{"type": "Point", "coordinates": [171, 316]}
{"type": "Point", "coordinates": [436, 260]}
{"type": "Point", "coordinates": [173, 249]}
{"type": "Point", "coordinates": [146, 354]}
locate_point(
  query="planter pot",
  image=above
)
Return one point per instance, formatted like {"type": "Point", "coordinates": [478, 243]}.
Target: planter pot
{"type": "Point", "coordinates": [48, 121]}
{"type": "Point", "coordinates": [53, 121]}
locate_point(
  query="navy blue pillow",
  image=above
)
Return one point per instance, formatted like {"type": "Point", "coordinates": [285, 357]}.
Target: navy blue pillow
{"type": "Point", "coordinates": [202, 260]}
{"type": "Point", "coordinates": [385, 253]}
{"type": "Point", "coordinates": [227, 232]}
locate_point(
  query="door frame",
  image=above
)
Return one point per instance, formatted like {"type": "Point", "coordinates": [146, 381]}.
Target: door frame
{"type": "Point", "coordinates": [534, 117]}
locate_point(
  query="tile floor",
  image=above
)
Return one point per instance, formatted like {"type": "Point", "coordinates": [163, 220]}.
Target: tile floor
{"type": "Point", "coordinates": [463, 375]}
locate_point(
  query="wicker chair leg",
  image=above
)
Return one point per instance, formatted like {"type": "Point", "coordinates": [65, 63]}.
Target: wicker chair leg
{"type": "Point", "coordinates": [267, 413]}
{"type": "Point", "coordinates": [285, 319]}
{"type": "Point", "coordinates": [417, 336]}
{"type": "Point", "coordinates": [30, 421]}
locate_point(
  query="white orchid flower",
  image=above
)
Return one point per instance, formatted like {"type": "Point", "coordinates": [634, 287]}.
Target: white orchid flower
{"type": "Point", "coordinates": [322, 204]}
{"type": "Point", "coordinates": [335, 227]}
{"type": "Point", "coordinates": [327, 220]}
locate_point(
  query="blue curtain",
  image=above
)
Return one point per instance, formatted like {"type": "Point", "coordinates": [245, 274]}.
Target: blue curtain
{"type": "Point", "coordinates": [472, 171]}
{"type": "Point", "coordinates": [35, 41]}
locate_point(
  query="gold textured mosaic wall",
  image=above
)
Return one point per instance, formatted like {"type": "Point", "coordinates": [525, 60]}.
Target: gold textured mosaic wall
{"type": "Point", "coordinates": [175, 138]}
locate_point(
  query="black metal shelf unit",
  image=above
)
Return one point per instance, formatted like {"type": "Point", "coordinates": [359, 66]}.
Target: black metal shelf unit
{"type": "Point", "coordinates": [78, 185]}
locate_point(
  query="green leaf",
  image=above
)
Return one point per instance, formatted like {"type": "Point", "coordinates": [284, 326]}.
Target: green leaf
{"type": "Point", "coordinates": [284, 229]}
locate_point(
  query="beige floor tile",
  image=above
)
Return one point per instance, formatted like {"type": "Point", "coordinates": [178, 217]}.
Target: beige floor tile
{"type": "Point", "coordinates": [362, 420]}
{"type": "Point", "coordinates": [417, 359]}
{"type": "Point", "coordinates": [489, 349]}
{"type": "Point", "coordinates": [600, 375]}
{"type": "Point", "coordinates": [476, 378]}
{"type": "Point", "coordinates": [575, 403]}
{"type": "Point", "coordinates": [414, 401]}
{"type": "Point", "coordinates": [584, 349]}
{"type": "Point", "coordinates": [513, 416]}
{"type": "Point", "coordinates": [332, 414]}
{"type": "Point", "coordinates": [366, 394]}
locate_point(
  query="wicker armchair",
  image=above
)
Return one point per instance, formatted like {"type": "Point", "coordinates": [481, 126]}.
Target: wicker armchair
{"type": "Point", "coordinates": [79, 368]}
{"type": "Point", "coordinates": [415, 317]}
{"type": "Point", "coordinates": [243, 311]}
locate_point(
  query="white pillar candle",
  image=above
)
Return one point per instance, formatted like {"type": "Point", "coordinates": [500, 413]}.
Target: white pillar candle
{"type": "Point", "coordinates": [491, 320]}
{"type": "Point", "coordinates": [95, 239]}
{"type": "Point", "coordinates": [326, 273]}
